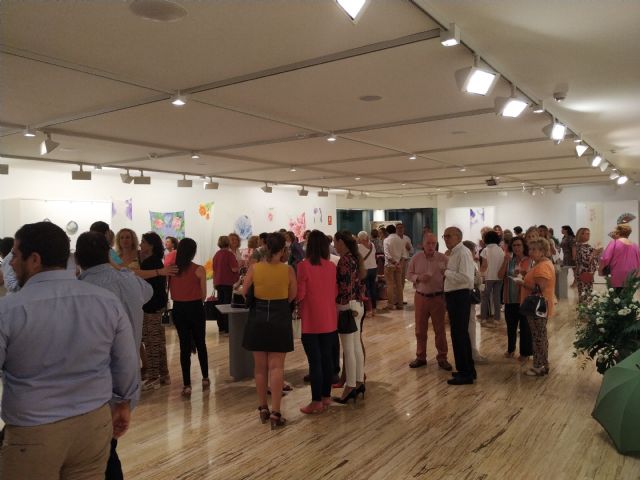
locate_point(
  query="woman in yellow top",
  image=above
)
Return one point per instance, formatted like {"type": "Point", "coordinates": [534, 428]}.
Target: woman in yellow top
{"type": "Point", "coordinates": [543, 275]}
{"type": "Point", "coordinates": [269, 334]}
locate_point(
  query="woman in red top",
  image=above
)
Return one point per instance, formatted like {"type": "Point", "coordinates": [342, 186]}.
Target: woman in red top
{"type": "Point", "coordinates": [317, 291]}
{"type": "Point", "coordinates": [170, 244]}
{"type": "Point", "coordinates": [188, 291]}
{"type": "Point", "coordinates": [225, 268]}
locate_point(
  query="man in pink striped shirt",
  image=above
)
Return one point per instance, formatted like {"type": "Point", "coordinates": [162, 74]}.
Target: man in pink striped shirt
{"type": "Point", "coordinates": [426, 271]}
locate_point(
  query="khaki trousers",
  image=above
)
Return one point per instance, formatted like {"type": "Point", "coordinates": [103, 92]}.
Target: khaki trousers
{"type": "Point", "coordinates": [395, 285]}
{"type": "Point", "coordinates": [74, 448]}
{"type": "Point", "coordinates": [435, 308]}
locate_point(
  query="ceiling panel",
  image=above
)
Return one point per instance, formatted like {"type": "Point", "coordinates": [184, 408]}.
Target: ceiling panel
{"type": "Point", "coordinates": [216, 40]}
{"type": "Point", "coordinates": [205, 165]}
{"type": "Point", "coordinates": [311, 150]}
{"type": "Point", "coordinates": [458, 132]}
{"type": "Point", "coordinates": [414, 81]}
{"type": "Point", "coordinates": [383, 166]}
{"type": "Point", "coordinates": [34, 92]}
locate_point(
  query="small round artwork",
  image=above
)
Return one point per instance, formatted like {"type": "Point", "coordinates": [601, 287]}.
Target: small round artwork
{"type": "Point", "coordinates": [72, 228]}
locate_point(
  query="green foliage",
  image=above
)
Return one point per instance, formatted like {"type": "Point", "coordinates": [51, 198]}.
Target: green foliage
{"type": "Point", "coordinates": [611, 331]}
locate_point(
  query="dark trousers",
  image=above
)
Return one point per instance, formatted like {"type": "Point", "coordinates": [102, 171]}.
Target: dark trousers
{"type": "Point", "coordinates": [335, 355]}
{"type": "Point", "coordinates": [459, 308]}
{"type": "Point", "coordinates": [371, 283]}
{"type": "Point", "coordinates": [189, 320]}
{"type": "Point", "coordinates": [319, 348]}
{"type": "Point", "coordinates": [114, 467]}
{"type": "Point", "coordinates": [225, 295]}
{"type": "Point", "coordinates": [514, 319]}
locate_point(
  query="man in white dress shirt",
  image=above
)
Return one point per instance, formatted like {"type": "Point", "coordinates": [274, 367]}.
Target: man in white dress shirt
{"type": "Point", "coordinates": [393, 248]}
{"type": "Point", "coordinates": [407, 251]}
{"type": "Point", "coordinates": [458, 282]}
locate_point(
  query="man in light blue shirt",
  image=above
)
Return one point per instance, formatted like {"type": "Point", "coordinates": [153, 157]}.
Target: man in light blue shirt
{"type": "Point", "coordinates": [8, 275]}
{"type": "Point", "coordinates": [67, 353]}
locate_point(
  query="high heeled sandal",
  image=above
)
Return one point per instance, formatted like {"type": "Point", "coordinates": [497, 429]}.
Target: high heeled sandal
{"type": "Point", "coordinates": [206, 384]}
{"type": "Point", "coordinates": [263, 411]}
{"type": "Point", "coordinates": [277, 421]}
{"type": "Point", "coordinates": [360, 389]}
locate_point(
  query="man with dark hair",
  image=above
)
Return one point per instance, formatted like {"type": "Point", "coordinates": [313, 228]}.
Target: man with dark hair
{"type": "Point", "coordinates": [517, 231]}
{"type": "Point", "coordinates": [92, 256]}
{"type": "Point", "coordinates": [7, 275]}
{"type": "Point", "coordinates": [71, 354]}
{"type": "Point", "coordinates": [103, 228]}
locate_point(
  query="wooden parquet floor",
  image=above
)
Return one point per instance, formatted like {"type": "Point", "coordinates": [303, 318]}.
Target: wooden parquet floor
{"type": "Point", "coordinates": [411, 425]}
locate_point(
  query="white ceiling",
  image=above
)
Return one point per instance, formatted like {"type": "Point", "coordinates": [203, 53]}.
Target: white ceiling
{"type": "Point", "coordinates": [269, 80]}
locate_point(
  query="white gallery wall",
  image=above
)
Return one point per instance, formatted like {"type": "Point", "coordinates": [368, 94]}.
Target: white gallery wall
{"type": "Point", "coordinates": [34, 191]}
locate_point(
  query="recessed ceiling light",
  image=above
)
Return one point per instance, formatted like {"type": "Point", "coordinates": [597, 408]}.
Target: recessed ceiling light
{"type": "Point", "coordinates": [370, 98]}
{"type": "Point", "coordinates": [27, 132]}
{"type": "Point", "coordinates": [438, 189]}
{"type": "Point", "coordinates": [352, 8]}
{"type": "Point", "coordinates": [195, 155]}
{"type": "Point", "coordinates": [158, 10]}
{"type": "Point", "coordinates": [179, 100]}
{"type": "Point", "coordinates": [463, 168]}
{"type": "Point", "coordinates": [412, 157]}
{"type": "Point", "coordinates": [357, 178]}
{"type": "Point", "coordinates": [403, 184]}
{"type": "Point", "coordinates": [332, 138]}
{"type": "Point", "coordinates": [293, 169]}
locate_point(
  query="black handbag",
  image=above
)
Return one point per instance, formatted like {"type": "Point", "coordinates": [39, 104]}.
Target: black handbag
{"type": "Point", "coordinates": [534, 305]}
{"type": "Point", "coordinates": [167, 317]}
{"type": "Point", "coordinates": [475, 296]}
{"type": "Point", "coordinates": [346, 322]}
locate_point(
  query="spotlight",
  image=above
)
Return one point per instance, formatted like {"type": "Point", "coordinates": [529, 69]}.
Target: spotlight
{"type": "Point", "coordinates": [596, 161]}
{"type": "Point", "coordinates": [511, 106]}
{"type": "Point", "coordinates": [475, 79]}
{"type": "Point", "coordinates": [125, 177]}
{"type": "Point", "coordinates": [581, 148]}
{"type": "Point", "coordinates": [27, 132]}
{"type": "Point", "coordinates": [463, 168]}
{"type": "Point", "coordinates": [293, 169]}
{"type": "Point", "coordinates": [141, 179]}
{"type": "Point", "coordinates": [555, 131]}
{"type": "Point", "coordinates": [184, 183]}
{"type": "Point", "coordinates": [412, 157]}
{"type": "Point", "coordinates": [80, 174]}
{"type": "Point", "coordinates": [4, 169]}
{"type": "Point", "coordinates": [178, 100]}
{"type": "Point", "coordinates": [323, 193]}
{"type": "Point", "coordinates": [349, 195]}
{"type": "Point", "coordinates": [352, 8]}
{"type": "Point", "coordinates": [267, 188]}
{"type": "Point", "coordinates": [211, 185]}
{"type": "Point", "coordinates": [603, 166]}
{"type": "Point", "coordinates": [557, 189]}
{"type": "Point", "coordinates": [332, 138]}
{"type": "Point", "coordinates": [491, 182]}
{"type": "Point", "coordinates": [538, 108]}
{"type": "Point", "coordinates": [195, 155]}
{"type": "Point", "coordinates": [302, 192]}
{"type": "Point", "coordinates": [614, 175]}
{"type": "Point", "coordinates": [48, 145]}
{"type": "Point", "coordinates": [451, 37]}
{"type": "Point", "coordinates": [622, 180]}
{"type": "Point", "coordinates": [357, 178]}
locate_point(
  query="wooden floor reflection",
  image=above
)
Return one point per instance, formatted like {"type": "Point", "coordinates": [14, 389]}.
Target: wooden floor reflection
{"type": "Point", "coordinates": [410, 425]}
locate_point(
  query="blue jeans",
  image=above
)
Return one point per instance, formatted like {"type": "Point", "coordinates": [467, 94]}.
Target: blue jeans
{"type": "Point", "coordinates": [370, 283]}
{"type": "Point", "coordinates": [319, 349]}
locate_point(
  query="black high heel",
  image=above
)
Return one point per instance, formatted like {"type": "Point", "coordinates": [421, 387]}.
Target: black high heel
{"type": "Point", "coordinates": [277, 421]}
{"type": "Point", "coordinates": [264, 412]}
{"type": "Point", "coordinates": [360, 389]}
{"type": "Point", "coordinates": [353, 394]}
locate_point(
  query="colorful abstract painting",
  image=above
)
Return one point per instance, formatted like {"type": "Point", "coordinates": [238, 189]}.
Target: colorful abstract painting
{"type": "Point", "coordinates": [204, 210]}
{"type": "Point", "coordinates": [208, 267]}
{"type": "Point", "coordinates": [298, 225]}
{"type": "Point", "coordinates": [243, 227]}
{"type": "Point", "coordinates": [122, 208]}
{"type": "Point", "coordinates": [167, 224]}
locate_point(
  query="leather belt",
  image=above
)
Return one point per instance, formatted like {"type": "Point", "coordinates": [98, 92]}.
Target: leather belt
{"type": "Point", "coordinates": [430, 295]}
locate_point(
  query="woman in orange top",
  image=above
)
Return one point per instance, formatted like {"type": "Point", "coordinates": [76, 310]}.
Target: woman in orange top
{"type": "Point", "coordinates": [543, 275]}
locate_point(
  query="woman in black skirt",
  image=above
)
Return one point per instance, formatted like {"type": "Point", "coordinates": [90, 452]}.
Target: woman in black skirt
{"type": "Point", "coordinates": [269, 334]}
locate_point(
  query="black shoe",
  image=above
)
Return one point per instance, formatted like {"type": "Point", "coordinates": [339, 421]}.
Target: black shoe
{"type": "Point", "coordinates": [353, 394]}
{"type": "Point", "coordinates": [459, 374]}
{"type": "Point", "coordinates": [460, 380]}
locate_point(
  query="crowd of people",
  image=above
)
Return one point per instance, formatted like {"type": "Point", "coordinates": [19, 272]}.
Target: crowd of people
{"type": "Point", "coordinates": [101, 309]}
